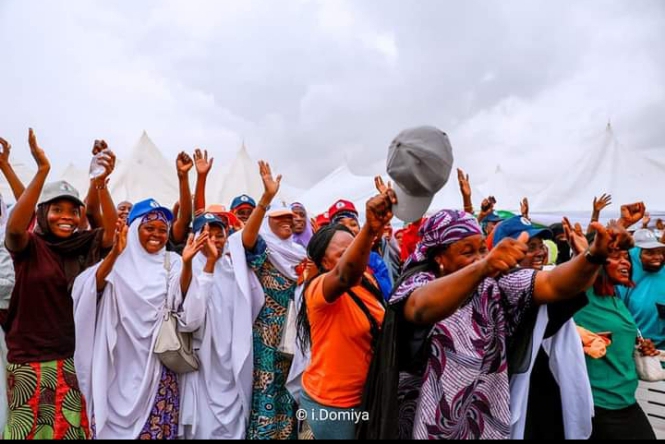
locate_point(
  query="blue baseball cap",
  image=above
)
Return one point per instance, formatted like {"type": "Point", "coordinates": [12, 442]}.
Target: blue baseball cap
{"type": "Point", "coordinates": [241, 200]}
{"type": "Point", "coordinates": [493, 217]}
{"type": "Point", "coordinates": [146, 206]}
{"type": "Point", "coordinates": [207, 218]}
{"type": "Point", "coordinates": [514, 226]}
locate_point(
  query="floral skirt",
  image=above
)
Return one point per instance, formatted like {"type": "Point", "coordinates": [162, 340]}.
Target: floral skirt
{"type": "Point", "coordinates": [163, 420]}
{"type": "Point", "coordinates": [45, 402]}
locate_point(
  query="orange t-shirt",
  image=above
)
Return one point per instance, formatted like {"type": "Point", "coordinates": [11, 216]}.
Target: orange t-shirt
{"type": "Point", "coordinates": [341, 346]}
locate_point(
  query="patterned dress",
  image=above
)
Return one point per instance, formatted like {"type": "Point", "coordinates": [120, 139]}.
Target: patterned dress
{"type": "Point", "coordinates": [45, 402]}
{"type": "Point", "coordinates": [273, 408]}
{"type": "Point", "coordinates": [163, 420]}
{"type": "Point", "coordinates": [464, 392]}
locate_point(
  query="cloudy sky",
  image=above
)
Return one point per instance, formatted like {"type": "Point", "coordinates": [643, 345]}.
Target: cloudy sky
{"type": "Point", "coordinates": [310, 84]}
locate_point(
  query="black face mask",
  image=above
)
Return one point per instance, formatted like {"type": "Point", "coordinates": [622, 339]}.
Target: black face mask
{"type": "Point", "coordinates": [564, 252]}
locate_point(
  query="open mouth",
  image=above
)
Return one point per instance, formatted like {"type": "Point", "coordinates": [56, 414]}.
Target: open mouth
{"type": "Point", "coordinates": [154, 243]}
{"type": "Point", "coordinates": [624, 272]}
{"type": "Point", "coordinates": [65, 227]}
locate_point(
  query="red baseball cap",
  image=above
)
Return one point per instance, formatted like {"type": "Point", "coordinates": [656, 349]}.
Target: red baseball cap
{"type": "Point", "coordinates": [342, 206]}
{"type": "Point", "coordinates": [322, 219]}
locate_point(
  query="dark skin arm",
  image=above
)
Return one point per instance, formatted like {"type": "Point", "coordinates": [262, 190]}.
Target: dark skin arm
{"type": "Point", "coordinates": [250, 234]}
{"type": "Point", "coordinates": [17, 237]}
{"type": "Point", "coordinates": [119, 244]}
{"type": "Point", "coordinates": [203, 167]}
{"type": "Point", "coordinates": [351, 266]}
{"type": "Point", "coordinates": [599, 203]}
{"type": "Point", "coordinates": [191, 249]}
{"type": "Point", "coordinates": [99, 197]}
{"type": "Point", "coordinates": [442, 297]}
{"type": "Point", "coordinates": [184, 163]}
{"type": "Point", "coordinates": [465, 189]}
{"type": "Point", "coordinates": [8, 171]}
{"type": "Point", "coordinates": [92, 206]}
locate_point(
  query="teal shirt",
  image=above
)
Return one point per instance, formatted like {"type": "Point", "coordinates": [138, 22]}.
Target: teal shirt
{"type": "Point", "coordinates": [641, 301]}
{"type": "Point", "coordinates": [613, 378]}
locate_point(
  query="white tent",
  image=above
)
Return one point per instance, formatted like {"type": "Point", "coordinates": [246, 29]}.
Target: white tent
{"type": "Point", "coordinates": [242, 178]}
{"type": "Point", "coordinates": [77, 177]}
{"type": "Point", "coordinates": [24, 172]}
{"type": "Point", "coordinates": [146, 174]}
{"type": "Point", "coordinates": [344, 184]}
{"type": "Point", "coordinates": [508, 192]}
{"type": "Point", "coordinates": [605, 167]}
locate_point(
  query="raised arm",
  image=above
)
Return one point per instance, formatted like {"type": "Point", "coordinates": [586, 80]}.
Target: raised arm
{"type": "Point", "coordinates": [16, 237]}
{"type": "Point", "coordinates": [465, 189]}
{"type": "Point", "coordinates": [203, 167]}
{"type": "Point", "coordinates": [8, 171]}
{"type": "Point", "coordinates": [99, 197]}
{"type": "Point", "coordinates": [442, 297]}
{"type": "Point", "coordinates": [191, 249]}
{"type": "Point", "coordinates": [569, 279]}
{"type": "Point", "coordinates": [250, 233]}
{"type": "Point", "coordinates": [599, 204]}
{"type": "Point", "coordinates": [352, 264]}
{"type": "Point", "coordinates": [184, 163]}
{"type": "Point", "coordinates": [119, 244]}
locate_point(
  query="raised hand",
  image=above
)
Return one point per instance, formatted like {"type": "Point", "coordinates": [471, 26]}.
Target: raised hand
{"type": "Point", "coordinates": [6, 149]}
{"type": "Point", "coordinates": [524, 208]}
{"type": "Point", "coordinates": [270, 185]}
{"type": "Point", "coordinates": [209, 248]}
{"type": "Point", "coordinates": [184, 163]}
{"type": "Point", "coordinates": [464, 185]}
{"type": "Point", "coordinates": [575, 236]}
{"type": "Point", "coordinates": [120, 237]}
{"type": "Point", "coordinates": [646, 220]}
{"type": "Point", "coordinates": [98, 146]}
{"type": "Point", "coordinates": [620, 239]}
{"type": "Point", "coordinates": [203, 165]}
{"type": "Point", "coordinates": [37, 153]}
{"type": "Point", "coordinates": [381, 187]}
{"type": "Point", "coordinates": [194, 246]}
{"type": "Point", "coordinates": [506, 255]}
{"type": "Point", "coordinates": [379, 210]}
{"type": "Point", "coordinates": [632, 213]}
{"type": "Point", "coordinates": [602, 202]}
{"type": "Point", "coordinates": [106, 160]}
{"type": "Point", "coordinates": [487, 205]}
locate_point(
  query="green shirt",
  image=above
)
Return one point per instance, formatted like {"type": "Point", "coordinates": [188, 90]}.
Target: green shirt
{"type": "Point", "coordinates": [613, 378]}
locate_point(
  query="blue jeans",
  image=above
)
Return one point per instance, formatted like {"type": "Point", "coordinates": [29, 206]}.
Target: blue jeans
{"type": "Point", "coordinates": [328, 422]}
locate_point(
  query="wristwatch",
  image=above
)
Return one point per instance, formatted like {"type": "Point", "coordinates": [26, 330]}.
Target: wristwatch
{"type": "Point", "coordinates": [592, 259]}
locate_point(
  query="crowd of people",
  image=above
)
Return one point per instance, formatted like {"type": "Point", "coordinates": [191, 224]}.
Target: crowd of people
{"type": "Point", "coordinates": [502, 328]}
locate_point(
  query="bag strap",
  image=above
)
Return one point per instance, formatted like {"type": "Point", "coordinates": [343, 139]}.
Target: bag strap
{"type": "Point", "coordinates": [167, 267]}
{"type": "Point", "coordinates": [374, 328]}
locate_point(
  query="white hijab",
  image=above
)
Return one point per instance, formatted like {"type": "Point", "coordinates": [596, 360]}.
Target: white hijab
{"type": "Point", "coordinates": [285, 255]}
{"type": "Point", "coordinates": [117, 370]}
{"type": "Point", "coordinates": [210, 401]}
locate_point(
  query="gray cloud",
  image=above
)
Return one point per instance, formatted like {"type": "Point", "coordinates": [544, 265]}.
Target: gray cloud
{"type": "Point", "coordinates": [310, 83]}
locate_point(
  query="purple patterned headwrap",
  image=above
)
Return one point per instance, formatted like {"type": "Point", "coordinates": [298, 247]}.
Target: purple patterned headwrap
{"type": "Point", "coordinates": [153, 216]}
{"type": "Point", "coordinates": [444, 228]}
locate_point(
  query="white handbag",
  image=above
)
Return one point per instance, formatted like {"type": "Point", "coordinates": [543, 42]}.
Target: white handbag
{"type": "Point", "coordinates": [287, 343]}
{"type": "Point", "coordinates": [649, 367]}
{"type": "Point", "coordinates": [173, 347]}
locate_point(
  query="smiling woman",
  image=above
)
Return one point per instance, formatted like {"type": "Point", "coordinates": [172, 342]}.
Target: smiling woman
{"type": "Point", "coordinates": [39, 323]}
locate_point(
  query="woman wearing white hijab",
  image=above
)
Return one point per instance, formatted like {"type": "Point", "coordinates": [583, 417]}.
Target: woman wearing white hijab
{"type": "Point", "coordinates": [264, 259]}
{"type": "Point", "coordinates": [118, 309]}
{"type": "Point", "coordinates": [210, 403]}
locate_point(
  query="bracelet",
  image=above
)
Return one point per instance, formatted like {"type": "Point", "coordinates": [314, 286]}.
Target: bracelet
{"type": "Point", "coordinates": [265, 207]}
{"type": "Point", "coordinates": [595, 260]}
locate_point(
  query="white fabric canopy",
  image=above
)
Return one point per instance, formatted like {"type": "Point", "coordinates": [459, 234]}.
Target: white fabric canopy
{"type": "Point", "coordinates": [145, 174]}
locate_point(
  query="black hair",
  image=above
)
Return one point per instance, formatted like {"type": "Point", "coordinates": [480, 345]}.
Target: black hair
{"type": "Point", "coordinates": [316, 251]}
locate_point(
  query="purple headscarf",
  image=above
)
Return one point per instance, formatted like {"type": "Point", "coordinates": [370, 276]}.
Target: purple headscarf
{"type": "Point", "coordinates": [444, 228]}
{"type": "Point", "coordinates": [304, 237]}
